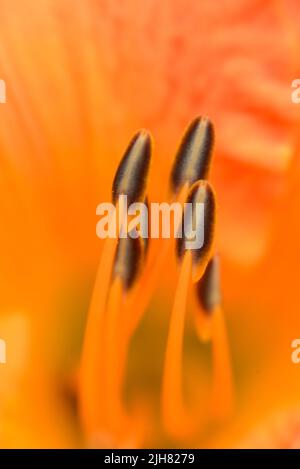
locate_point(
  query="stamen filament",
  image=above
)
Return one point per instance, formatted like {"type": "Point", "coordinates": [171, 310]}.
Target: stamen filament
{"type": "Point", "coordinates": [203, 325]}
{"type": "Point", "coordinates": [91, 367]}
{"type": "Point", "coordinates": [112, 371]}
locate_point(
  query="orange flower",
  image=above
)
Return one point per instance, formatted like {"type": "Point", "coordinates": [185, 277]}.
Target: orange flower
{"type": "Point", "coordinates": [81, 78]}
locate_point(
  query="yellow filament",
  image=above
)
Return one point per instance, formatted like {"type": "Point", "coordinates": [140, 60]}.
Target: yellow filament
{"type": "Point", "coordinates": [222, 391]}
{"type": "Point", "coordinates": [91, 400]}
{"type": "Point", "coordinates": [91, 370]}
{"type": "Point", "coordinates": [112, 357]}
{"type": "Point", "coordinates": [173, 409]}
{"type": "Point", "coordinates": [203, 324]}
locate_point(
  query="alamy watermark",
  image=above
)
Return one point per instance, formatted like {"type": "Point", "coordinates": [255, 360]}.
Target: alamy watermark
{"type": "Point", "coordinates": [154, 220]}
{"type": "Point", "coordinates": [2, 92]}
{"type": "Point", "coordinates": [295, 355]}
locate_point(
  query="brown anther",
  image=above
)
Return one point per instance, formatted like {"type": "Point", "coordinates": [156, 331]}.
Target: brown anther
{"type": "Point", "coordinates": [131, 175]}
{"type": "Point", "coordinates": [192, 161]}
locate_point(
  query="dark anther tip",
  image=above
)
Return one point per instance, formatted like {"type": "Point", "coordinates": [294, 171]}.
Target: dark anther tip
{"type": "Point", "coordinates": [193, 158]}
{"type": "Point", "coordinates": [208, 289]}
{"type": "Point", "coordinates": [131, 176]}
{"type": "Point", "coordinates": [202, 224]}
{"type": "Point", "coordinates": [129, 260]}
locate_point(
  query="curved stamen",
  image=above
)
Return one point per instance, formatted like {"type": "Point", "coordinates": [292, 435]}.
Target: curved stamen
{"type": "Point", "coordinates": [193, 264]}
{"type": "Point", "coordinates": [130, 180]}
{"type": "Point", "coordinates": [209, 298]}
{"type": "Point", "coordinates": [174, 415]}
{"type": "Point", "coordinates": [127, 268]}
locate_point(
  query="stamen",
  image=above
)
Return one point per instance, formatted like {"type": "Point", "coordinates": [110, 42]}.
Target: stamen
{"type": "Point", "coordinates": [194, 261]}
{"type": "Point", "coordinates": [127, 267]}
{"type": "Point", "coordinates": [130, 180]}
{"type": "Point", "coordinates": [140, 298]}
{"type": "Point", "coordinates": [91, 368]}
{"type": "Point", "coordinates": [192, 162]}
{"type": "Point", "coordinates": [208, 288]}
{"type": "Point", "coordinates": [131, 176]}
{"type": "Point", "coordinates": [112, 376]}
{"type": "Point", "coordinates": [193, 158]}
{"type": "Point", "coordinates": [200, 193]}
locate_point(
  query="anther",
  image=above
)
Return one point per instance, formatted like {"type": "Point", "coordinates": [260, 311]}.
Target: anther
{"type": "Point", "coordinates": [192, 161]}
{"type": "Point", "coordinates": [199, 224]}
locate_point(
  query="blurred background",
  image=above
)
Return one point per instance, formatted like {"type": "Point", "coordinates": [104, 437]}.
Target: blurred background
{"type": "Point", "coordinates": [81, 78]}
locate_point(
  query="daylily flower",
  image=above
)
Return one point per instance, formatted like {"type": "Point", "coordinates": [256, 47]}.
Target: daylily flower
{"type": "Point", "coordinates": [82, 78]}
